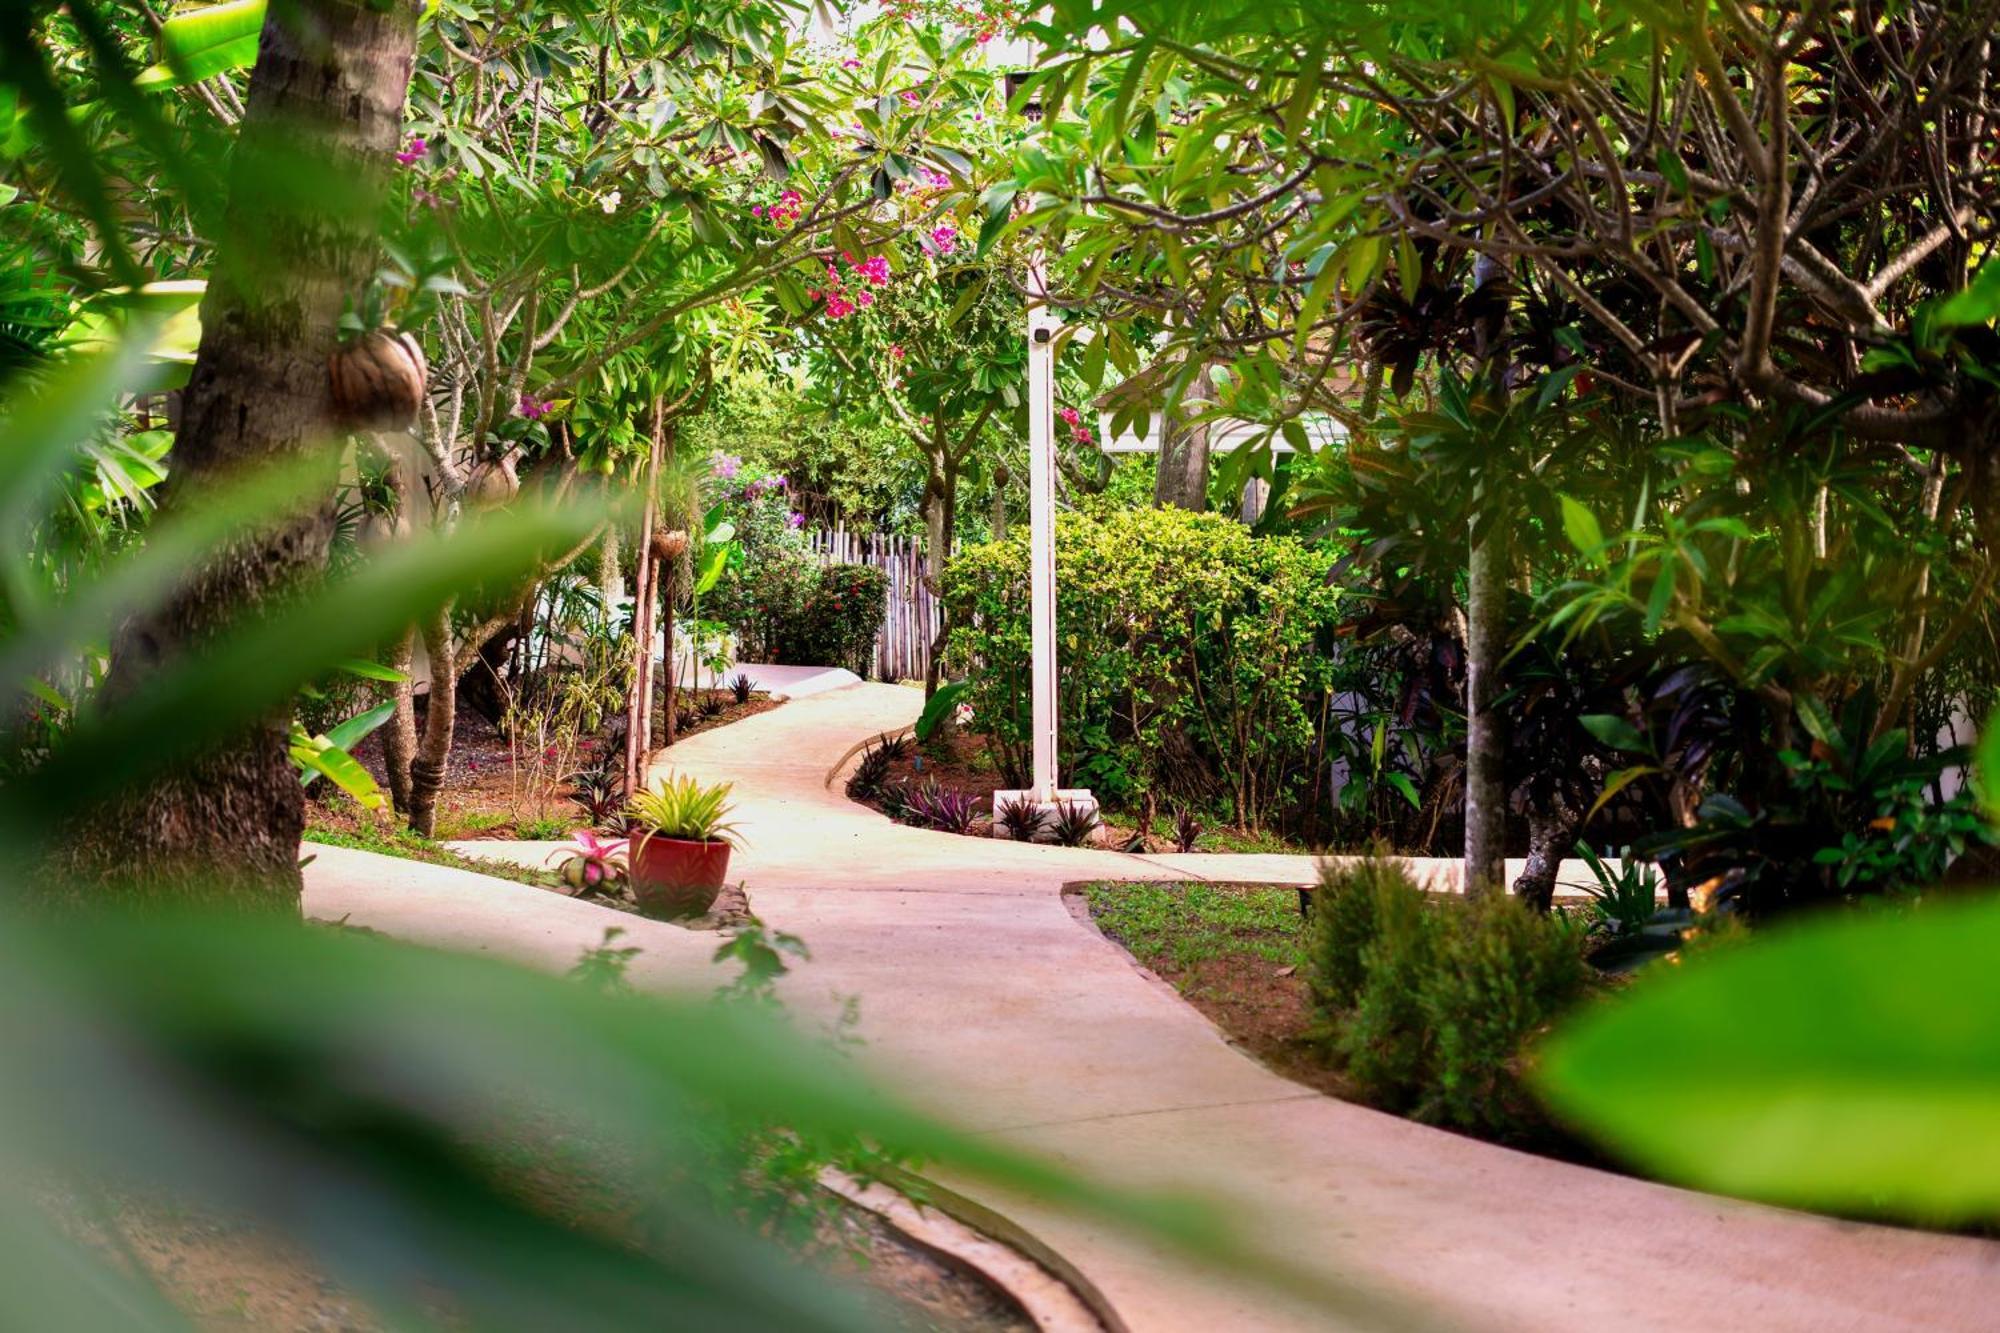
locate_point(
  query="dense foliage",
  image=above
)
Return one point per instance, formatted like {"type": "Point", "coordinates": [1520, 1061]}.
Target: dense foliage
{"type": "Point", "coordinates": [1429, 1005]}
{"type": "Point", "coordinates": [1196, 657]}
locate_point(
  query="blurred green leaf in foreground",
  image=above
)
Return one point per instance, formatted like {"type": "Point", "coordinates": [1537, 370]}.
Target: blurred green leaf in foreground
{"type": "Point", "coordinates": [1851, 1064]}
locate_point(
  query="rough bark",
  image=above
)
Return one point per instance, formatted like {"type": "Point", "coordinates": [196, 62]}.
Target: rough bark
{"type": "Point", "coordinates": [1180, 479]}
{"type": "Point", "coordinates": [940, 535]}
{"type": "Point", "coordinates": [1551, 833]}
{"type": "Point", "coordinates": [1486, 628]}
{"type": "Point", "coordinates": [1485, 733]}
{"type": "Point", "coordinates": [440, 713]}
{"type": "Point", "coordinates": [323, 116]}
{"type": "Point", "coordinates": [639, 705]}
{"type": "Point", "coordinates": [399, 737]}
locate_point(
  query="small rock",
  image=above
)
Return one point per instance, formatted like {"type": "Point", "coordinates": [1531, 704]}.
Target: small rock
{"type": "Point", "coordinates": [1286, 971]}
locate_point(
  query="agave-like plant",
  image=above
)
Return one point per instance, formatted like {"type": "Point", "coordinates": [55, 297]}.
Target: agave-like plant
{"type": "Point", "coordinates": [677, 806]}
{"type": "Point", "coordinates": [941, 808]}
{"type": "Point", "coordinates": [1187, 828]}
{"type": "Point", "coordinates": [870, 773]}
{"type": "Point", "coordinates": [597, 792]}
{"type": "Point", "coordinates": [1075, 823]}
{"type": "Point", "coordinates": [739, 685]}
{"type": "Point", "coordinates": [1023, 819]}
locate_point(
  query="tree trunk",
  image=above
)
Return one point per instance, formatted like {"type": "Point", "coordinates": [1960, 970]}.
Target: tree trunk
{"type": "Point", "coordinates": [1551, 834]}
{"type": "Point", "coordinates": [440, 713]}
{"type": "Point", "coordinates": [941, 531]}
{"type": "Point", "coordinates": [324, 115]}
{"type": "Point", "coordinates": [1485, 736]}
{"type": "Point", "coordinates": [1486, 628]}
{"type": "Point", "coordinates": [399, 737]}
{"type": "Point", "coordinates": [1181, 477]}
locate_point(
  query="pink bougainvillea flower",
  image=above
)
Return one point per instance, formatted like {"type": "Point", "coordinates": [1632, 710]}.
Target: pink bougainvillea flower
{"type": "Point", "coordinates": [533, 408]}
{"type": "Point", "coordinates": [910, 96]}
{"type": "Point", "coordinates": [944, 240]}
{"type": "Point", "coordinates": [850, 63]}
{"type": "Point", "coordinates": [413, 152]}
{"type": "Point", "coordinates": [1068, 414]}
{"type": "Point", "coordinates": [896, 351]}
{"type": "Point", "coordinates": [795, 520]}
{"type": "Point", "coordinates": [725, 466]}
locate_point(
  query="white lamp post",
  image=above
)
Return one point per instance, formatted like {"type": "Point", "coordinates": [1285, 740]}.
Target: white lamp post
{"type": "Point", "coordinates": [1042, 789]}
{"type": "Point", "coordinates": [1042, 530]}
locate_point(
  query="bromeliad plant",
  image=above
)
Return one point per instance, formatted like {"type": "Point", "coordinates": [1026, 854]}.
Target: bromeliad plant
{"type": "Point", "coordinates": [677, 806]}
{"type": "Point", "coordinates": [592, 866]}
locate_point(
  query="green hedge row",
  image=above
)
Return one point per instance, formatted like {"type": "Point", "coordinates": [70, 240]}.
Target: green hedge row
{"type": "Point", "coordinates": [1195, 658]}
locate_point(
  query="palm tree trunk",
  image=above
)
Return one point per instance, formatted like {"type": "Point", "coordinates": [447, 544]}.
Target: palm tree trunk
{"type": "Point", "coordinates": [325, 103]}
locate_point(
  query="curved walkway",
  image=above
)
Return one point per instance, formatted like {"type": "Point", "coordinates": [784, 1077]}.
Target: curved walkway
{"type": "Point", "coordinates": [986, 1001]}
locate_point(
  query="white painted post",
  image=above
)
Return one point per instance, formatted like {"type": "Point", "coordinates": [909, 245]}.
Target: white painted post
{"type": "Point", "coordinates": [1042, 530]}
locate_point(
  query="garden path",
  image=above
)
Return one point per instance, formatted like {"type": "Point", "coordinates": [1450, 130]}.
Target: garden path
{"type": "Point", "coordinates": [985, 999]}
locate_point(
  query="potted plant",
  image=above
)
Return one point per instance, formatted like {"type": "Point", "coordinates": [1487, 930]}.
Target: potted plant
{"type": "Point", "coordinates": [680, 845]}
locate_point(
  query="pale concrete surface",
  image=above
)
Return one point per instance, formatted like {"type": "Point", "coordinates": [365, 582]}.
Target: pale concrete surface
{"type": "Point", "coordinates": [792, 682]}
{"type": "Point", "coordinates": [983, 999]}
{"type": "Point", "coordinates": [455, 909]}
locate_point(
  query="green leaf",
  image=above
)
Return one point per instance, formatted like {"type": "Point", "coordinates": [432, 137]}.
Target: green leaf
{"type": "Point", "coordinates": [1986, 769]}
{"type": "Point", "coordinates": [1616, 732]}
{"type": "Point", "coordinates": [367, 670]}
{"type": "Point", "coordinates": [1979, 303]}
{"type": "Point", "coordinates": [1618, 782]}
{"type": "Point", "coordinates": [1580, 526]}
{"type": "Point", "coordinates": [1817, 721]}
{"type": "Point", "coordinates": [199, 44]}
{"type": "Point", "coordinates": [317, 757]}
{"type": "Point", "coordinates": [349, 734]}
{"type": "Point", "coordinates": [1409, 789]}
{"type": "Point", "coordinates": [1845, 1064]}
{"type": "Point", "coordinates": [939, 708]}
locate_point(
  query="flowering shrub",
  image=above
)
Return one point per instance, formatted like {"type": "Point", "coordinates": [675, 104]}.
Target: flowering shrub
{"type": "Point", "coordinates": [1195, 658]}
{"type": "Point", "coordinates": [839, 619]}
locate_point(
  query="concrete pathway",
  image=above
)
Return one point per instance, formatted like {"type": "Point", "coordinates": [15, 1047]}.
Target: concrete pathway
{"type": "Point", "coordinates": [986, 1001]}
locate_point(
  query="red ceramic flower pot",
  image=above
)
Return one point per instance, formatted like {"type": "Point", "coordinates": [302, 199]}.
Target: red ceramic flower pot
{"type": "Point", "coordinates": [677, 877]}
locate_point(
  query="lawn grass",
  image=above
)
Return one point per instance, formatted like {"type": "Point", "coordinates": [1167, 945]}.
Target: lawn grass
{"type": "Point", "coordinates": [1185, 924]}
{"type": "Point", "coordinates": [391, 841]}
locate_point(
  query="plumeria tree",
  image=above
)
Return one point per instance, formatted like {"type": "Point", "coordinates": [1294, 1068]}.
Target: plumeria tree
{"type": "Point", "coordinates": [1750, 238]}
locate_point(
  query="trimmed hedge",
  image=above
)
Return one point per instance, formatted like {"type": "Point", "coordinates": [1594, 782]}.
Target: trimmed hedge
{"type": "Point", "coordinates": [1195, 656]}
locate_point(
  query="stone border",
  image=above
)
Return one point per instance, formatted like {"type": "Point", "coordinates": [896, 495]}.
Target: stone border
{"type": "Point", "coordinates": [1046, 1287]}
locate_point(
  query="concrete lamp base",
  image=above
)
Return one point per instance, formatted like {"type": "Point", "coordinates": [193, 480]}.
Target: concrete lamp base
{"type": "Point", "coordinates": [1072, 796]}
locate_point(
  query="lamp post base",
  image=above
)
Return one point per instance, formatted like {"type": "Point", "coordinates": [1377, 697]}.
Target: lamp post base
{"type": "Point", "coordinates": [1073, 797]}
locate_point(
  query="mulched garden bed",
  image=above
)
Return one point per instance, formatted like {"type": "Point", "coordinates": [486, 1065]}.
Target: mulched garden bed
{"type": "Point", "coordinates": [963, 764]}
{"type": "Point", "coordinates": [488, 792]}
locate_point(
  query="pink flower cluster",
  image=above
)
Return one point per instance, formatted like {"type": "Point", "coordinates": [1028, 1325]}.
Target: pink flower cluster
{"type": "Point", "coordinates": [413, 152]}
{"type": "Point", "coordinates": [783, 213]}
{"type": "Point", "coordinates": [725, 466]}
{"type": "Point", "coordinates": [763, 486]}
{"type": "Point", "coordinates": [1074, 420]}
{"type": "Point", "coordinates": [942, 240]}
{"type": "Point", "coordinates": [842, 300]}
{"type": "Point", "coordinates": [533, 408]}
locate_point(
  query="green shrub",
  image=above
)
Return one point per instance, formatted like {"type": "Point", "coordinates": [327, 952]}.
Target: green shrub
{"type": "Point", "coordinates": [1343, 926]}
{"type": "Point", "coordinates": [1385, 1040]}
{"type": "Point", "coordinates": [1197, 658]}
{"type": "Point", "coordinates": [837, 622]}
{"type": "Point", "coordinates": [1503, 973]}
{"type": "Point", "coordinates": [1428, 1003]}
